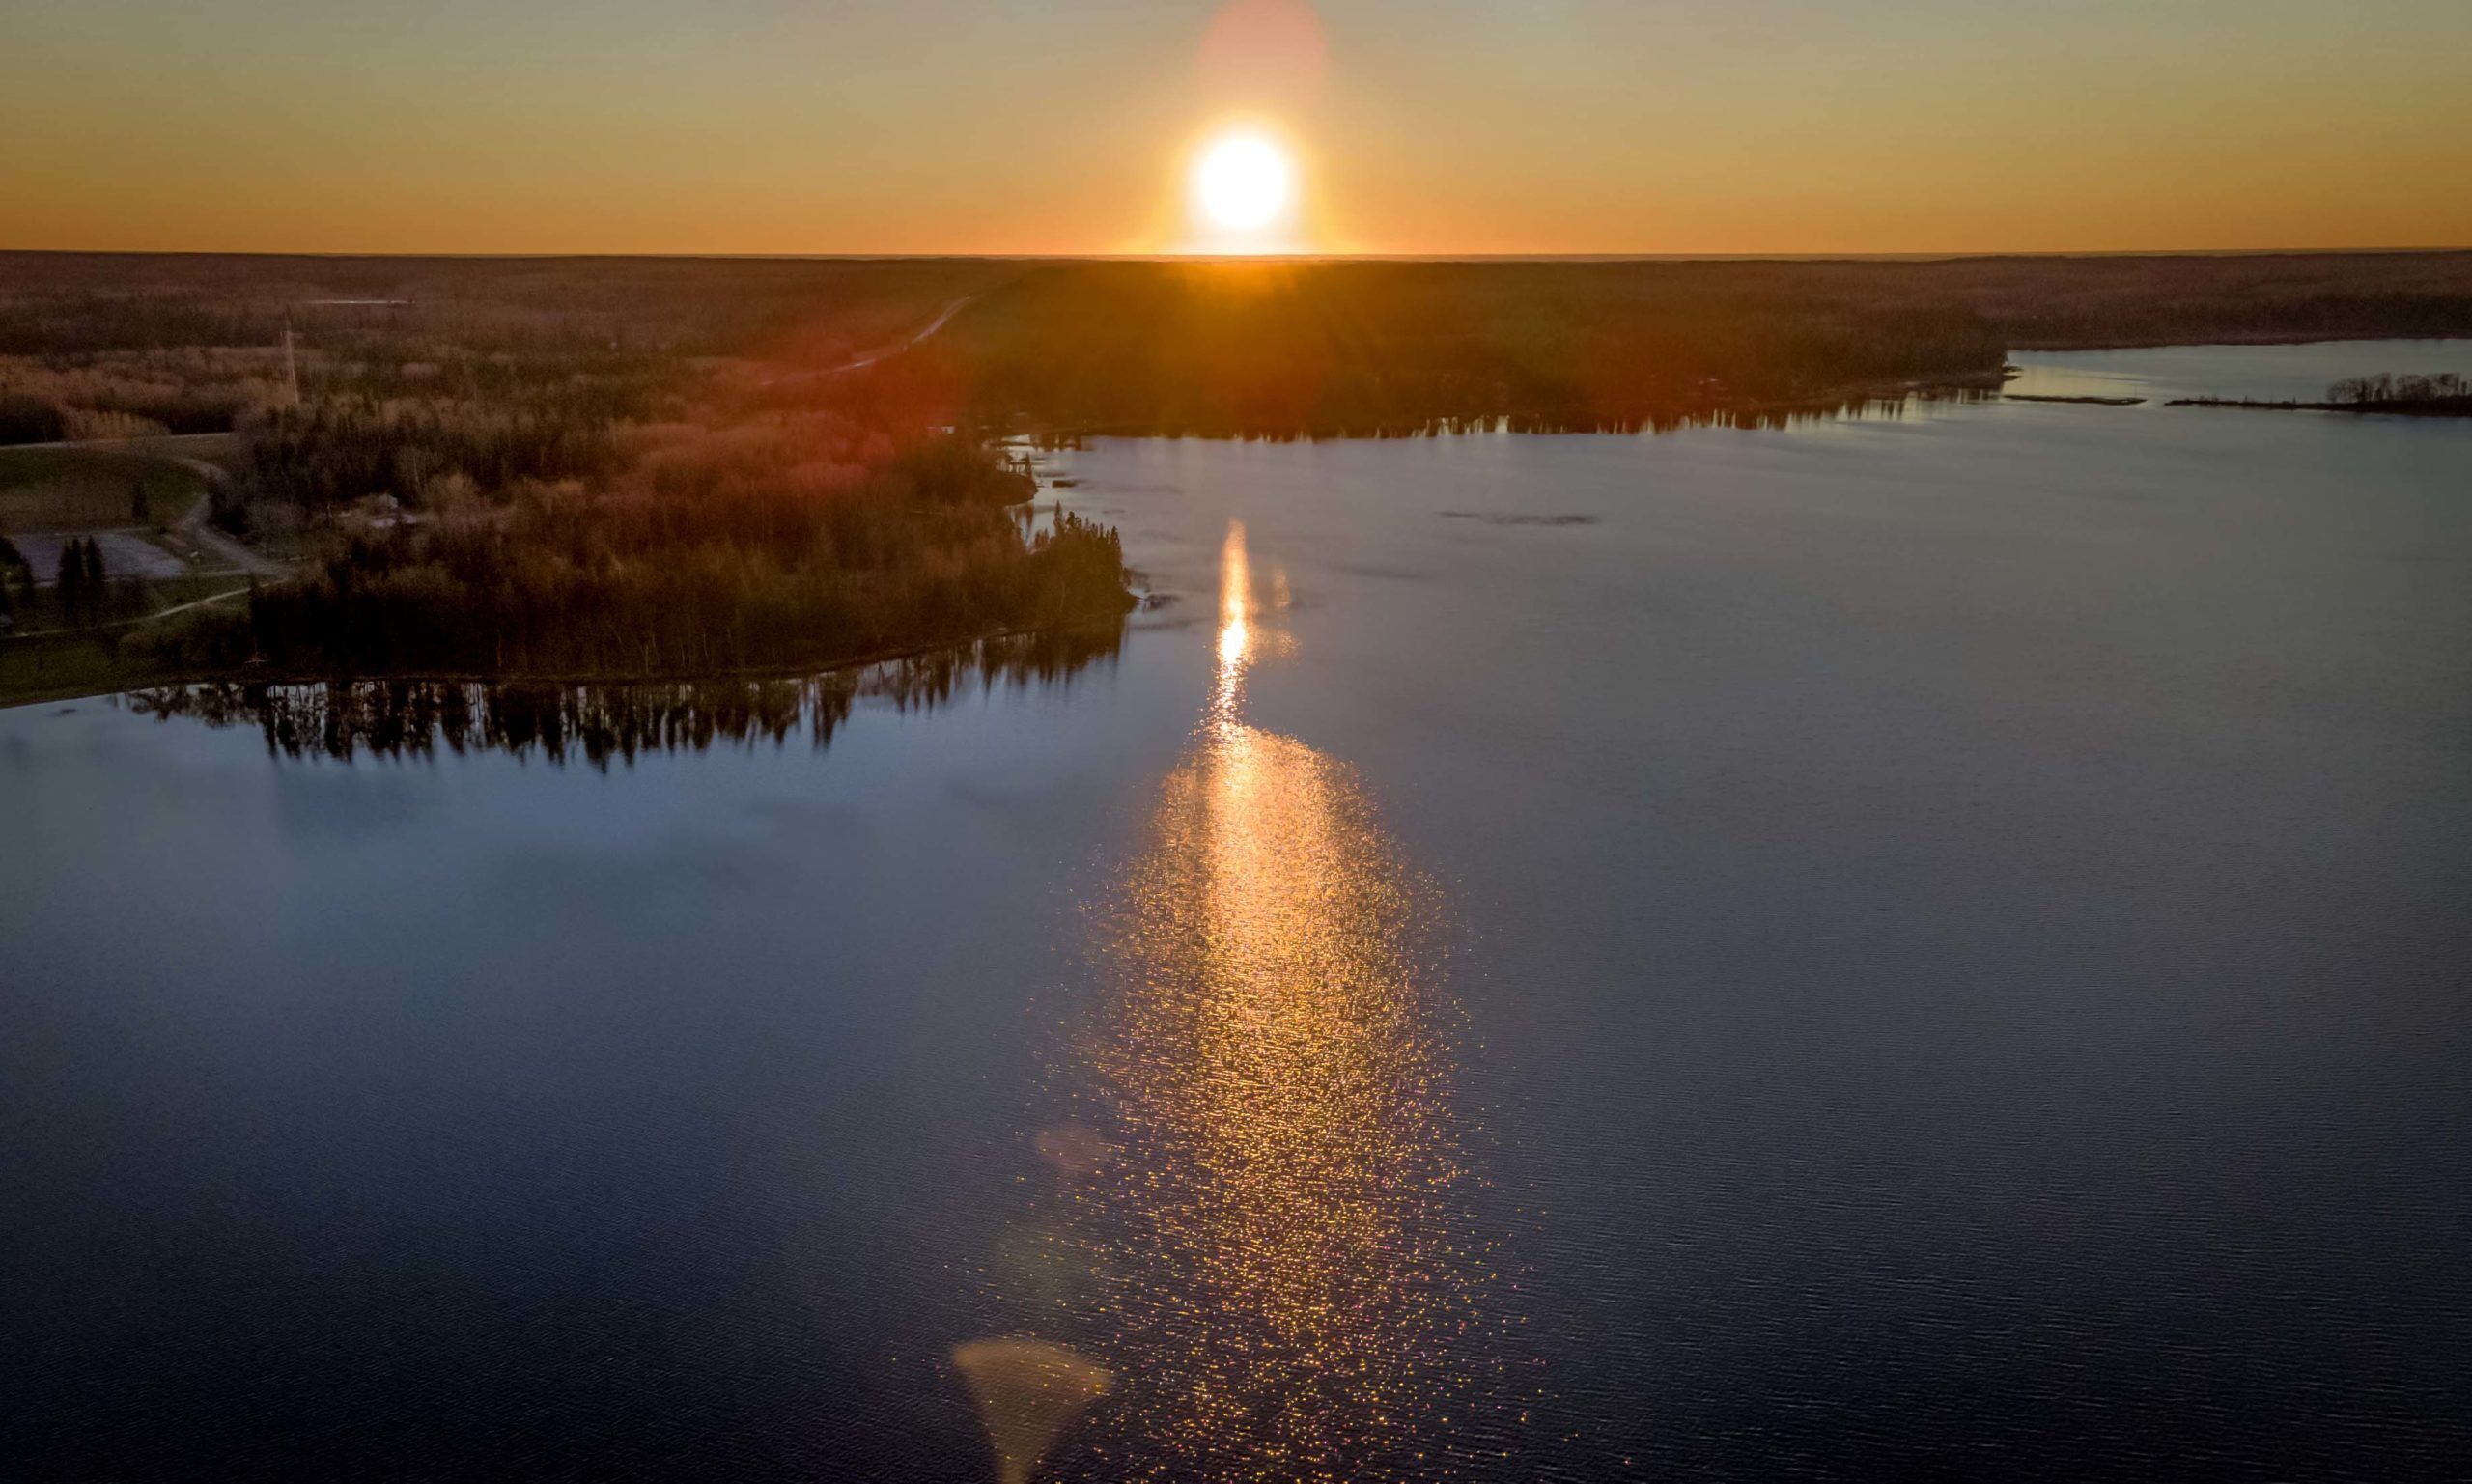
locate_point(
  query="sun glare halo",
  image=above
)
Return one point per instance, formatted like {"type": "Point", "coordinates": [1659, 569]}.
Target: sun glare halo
{"type": "Point", "coordinates": [1243, 184]}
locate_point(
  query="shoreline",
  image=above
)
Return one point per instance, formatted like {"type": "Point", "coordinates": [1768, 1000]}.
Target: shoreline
{"type": "Point", "coordinates": [2093, 402]}
{"type": "Point", "coordinates": [1955, 385]}
{"type": "Point", "coordinates": [2451, 406]}
{"type": "Point", "coordinates": [2264, 338]}
{"type": "Point", "coordinates": [566, 678]}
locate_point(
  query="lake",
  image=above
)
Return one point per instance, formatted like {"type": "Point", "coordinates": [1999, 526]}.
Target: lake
{"type": "Point", "coordinates": [1932, 944]}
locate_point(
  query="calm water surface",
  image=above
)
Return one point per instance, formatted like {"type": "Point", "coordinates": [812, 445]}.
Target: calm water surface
{"type": "Point", "coordinates": [1930, 944]}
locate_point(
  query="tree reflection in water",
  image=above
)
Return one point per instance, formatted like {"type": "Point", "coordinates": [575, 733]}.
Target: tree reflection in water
{"type": "Point", "coordinates": [1261, 1219]}
{"type": "Point", "coordinates": [597, 722]}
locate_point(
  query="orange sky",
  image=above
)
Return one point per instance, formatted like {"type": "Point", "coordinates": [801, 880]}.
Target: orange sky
{"type": "Point", "coordinates": [1436, 126]}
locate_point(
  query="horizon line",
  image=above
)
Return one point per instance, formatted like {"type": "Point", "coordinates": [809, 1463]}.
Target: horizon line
{"type": "Point", "coordinates": [1930, 256]}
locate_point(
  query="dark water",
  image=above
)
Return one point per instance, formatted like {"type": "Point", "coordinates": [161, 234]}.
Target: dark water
{"type": "Point", "coordinates": [1929, 948]}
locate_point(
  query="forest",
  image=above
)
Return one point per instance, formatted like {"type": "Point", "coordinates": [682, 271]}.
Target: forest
{"type": "Point", "coordinates": [670, 575]}
{"type": "Point", "coordinates": [628, 467]}
{"type": "Point", "coordinates": [1315, 348]}
{"type": "Point", "coordinates": [515, 472]}
{"type": "Point", "coordinates": [560, 349]}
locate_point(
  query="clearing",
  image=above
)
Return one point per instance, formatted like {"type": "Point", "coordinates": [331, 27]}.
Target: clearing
{"type": "Point", "coordinates": [87, 489]}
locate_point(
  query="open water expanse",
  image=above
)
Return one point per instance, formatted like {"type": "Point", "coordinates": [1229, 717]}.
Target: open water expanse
{"type": "Point", "coordinates": [1934, 944]}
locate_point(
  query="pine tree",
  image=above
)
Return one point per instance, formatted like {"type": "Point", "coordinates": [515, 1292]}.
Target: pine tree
{"type": "Point", "coordinates": [98, 589]}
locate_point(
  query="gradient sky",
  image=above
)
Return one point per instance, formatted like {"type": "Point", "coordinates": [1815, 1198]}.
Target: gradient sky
{"type": "Point", "coordinates": [1424, 126]}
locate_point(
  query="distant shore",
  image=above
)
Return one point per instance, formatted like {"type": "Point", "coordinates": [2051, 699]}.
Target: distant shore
{"type": "Point", "coordinates": [2436, 406]}
{"type": "Point", "coordinates": [2099, 402]}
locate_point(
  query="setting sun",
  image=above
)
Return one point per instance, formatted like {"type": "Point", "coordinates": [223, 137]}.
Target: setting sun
{"type": "Point", "coordinates": [1243, 184]}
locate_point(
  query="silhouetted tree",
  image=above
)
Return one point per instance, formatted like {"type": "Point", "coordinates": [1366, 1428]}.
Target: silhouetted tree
{"type": "Point", "coordinates": [81, 580]}
{"type": "Point", "coordinates": [71, 586]}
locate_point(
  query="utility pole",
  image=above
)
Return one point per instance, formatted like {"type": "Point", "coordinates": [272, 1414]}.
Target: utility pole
{"type": "Point", "coordinates": [291, 366]}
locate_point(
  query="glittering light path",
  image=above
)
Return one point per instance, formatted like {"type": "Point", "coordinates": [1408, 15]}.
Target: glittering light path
{"type": "Point", "coordinates": [1292, 1281]}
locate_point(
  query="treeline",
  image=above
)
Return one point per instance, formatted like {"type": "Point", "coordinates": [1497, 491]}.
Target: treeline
{"type": "Point", "coordinates": [671, 573]}
{"type": "Point", "coordinates": [782, 309]}
{"type": "Point", "coordinates": [2088, 303]}
{"type": "Point", "coordinates": [2388, 389]}
{"type": "Point", "coordinates": [1327, 348]}
{"type": "Point", "coordinates": [1354, 348]}
{"type": "Point", "coordinates": [600, 724]}
{"type": "Point", "coordinates": [2444, 394]}
{"type": "Point", "coordinates": [89, 342]}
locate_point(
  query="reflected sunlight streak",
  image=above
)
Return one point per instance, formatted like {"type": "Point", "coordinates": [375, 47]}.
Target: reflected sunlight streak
{"type": "Point", "coordinates": [1235, 629]}
{"type": "Point", "coordinates": [1297, 1278]}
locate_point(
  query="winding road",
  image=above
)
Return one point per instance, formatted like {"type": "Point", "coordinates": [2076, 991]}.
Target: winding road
{"type": "Point", "coordinates": [193, 524]}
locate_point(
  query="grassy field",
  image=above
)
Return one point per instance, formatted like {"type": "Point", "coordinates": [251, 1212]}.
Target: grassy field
{"type": "Point", "coordinates": [84, 490]}
{"type": "Point", "coordinates": [43, 660]}
{"type": "Point", "coordinates": [133, 605]}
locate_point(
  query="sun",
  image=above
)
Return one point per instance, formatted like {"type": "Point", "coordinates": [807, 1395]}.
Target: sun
{"type": "Point", "coordinates": [1243, 184]}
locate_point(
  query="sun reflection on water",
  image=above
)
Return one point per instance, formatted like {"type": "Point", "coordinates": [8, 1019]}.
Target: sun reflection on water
{"type": "Point", "coordinates": [1235, 629]}
{"type": "Point", "coordinates": [1291, 1281]}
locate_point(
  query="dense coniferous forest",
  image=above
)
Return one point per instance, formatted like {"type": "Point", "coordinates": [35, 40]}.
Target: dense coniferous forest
{"type": "Point", "coordinates": [922, 551]}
